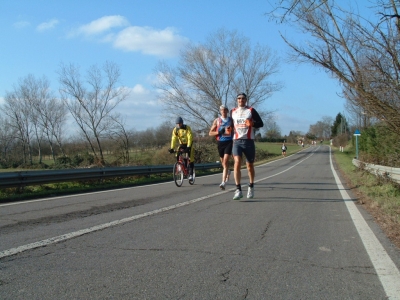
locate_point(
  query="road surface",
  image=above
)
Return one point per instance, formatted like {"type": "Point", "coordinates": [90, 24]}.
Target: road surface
{"type": "Point", "coordinates": [301, 237]}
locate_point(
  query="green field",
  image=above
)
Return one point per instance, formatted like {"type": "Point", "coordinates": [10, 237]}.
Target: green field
{"type": "Point", "coordinates": [275, 148]}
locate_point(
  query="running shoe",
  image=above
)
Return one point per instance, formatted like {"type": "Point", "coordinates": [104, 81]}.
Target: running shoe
{"type": "Point", "coordinates": [222, 186]}
{"type": "Point", "coordinates": [238, 195]}
{"type": "Point", "coordinates": [190, 178]}
{"type": "Point", "coordinates": [250, 193]}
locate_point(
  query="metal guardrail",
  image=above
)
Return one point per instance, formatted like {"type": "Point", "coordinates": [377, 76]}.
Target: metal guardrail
{"type": "Point", "coordinates": [393, 173]}
{"type": "Point", "coordinates": [26, 178]}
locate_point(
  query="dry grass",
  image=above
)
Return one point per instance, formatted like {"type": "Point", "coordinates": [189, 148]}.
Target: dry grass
{"type": "Point", "coordinates": [379, 196]}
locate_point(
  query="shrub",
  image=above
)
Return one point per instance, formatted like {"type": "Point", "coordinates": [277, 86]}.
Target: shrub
{"type": "Point", "coordinates": [378, 145]}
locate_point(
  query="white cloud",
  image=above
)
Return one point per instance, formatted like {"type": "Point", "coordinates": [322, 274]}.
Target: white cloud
{"type": "Point", "coordinates": [150, 41]}
{"type": "Point", "coordinates": [140, 89]}
{"type": "Point", "coordinates": [47, 25]}
{"type": "Point", "coordinates": [21, 24]}
{"type": "Point", "coordinates": [163, 42]}
{"type": "Point", "coordinates": [101, 25]}
{"type": "Point", "coordinates": [141, 109]}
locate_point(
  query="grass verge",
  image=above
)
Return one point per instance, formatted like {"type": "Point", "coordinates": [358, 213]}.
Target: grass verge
{"type": "Point", "coordinates": [379, 196]}
{"type": "Point", "coordinates": [75, 187]}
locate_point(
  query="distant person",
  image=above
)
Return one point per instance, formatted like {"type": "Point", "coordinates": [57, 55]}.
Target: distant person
{"type": "Point", "coordinates": [245, 120]}
{"type": "Point", "coordinates": [222, 130]}
{"type": "Point", "coordinates": [182, 135]}
{"type": "Point", "coordinates": [284, 148]}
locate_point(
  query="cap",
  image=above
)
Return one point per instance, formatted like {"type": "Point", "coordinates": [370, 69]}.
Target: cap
{"type": "Point", "coordinates": [179, 120]}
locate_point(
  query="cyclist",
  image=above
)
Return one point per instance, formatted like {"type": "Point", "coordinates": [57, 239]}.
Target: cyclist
{"type": "Point", "coordinates": [182, 135]}
{"type": "Point", "coordinates": [222, 130]}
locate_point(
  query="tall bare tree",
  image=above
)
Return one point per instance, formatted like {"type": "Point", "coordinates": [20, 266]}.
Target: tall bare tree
{"type": "Point", "coordinates": [91, 101]}
{"type": "Point", "coordinates": [211, 74]}
{"type": "Point", "coordinates": [7, 140]}
{"type": "Point", "coordinates": [47, 114]}
{"type": "Point", "coordinates": [118, 134]}
{"type": "Point", "coordinates": [362, 54]}
{"type": "Point", "coordinates": [19, 115]}
{"type": "Point", "coordinates": [322, 129]}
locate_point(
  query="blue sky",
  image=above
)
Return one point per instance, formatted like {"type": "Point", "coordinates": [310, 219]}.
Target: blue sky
{"type": "Point", "coordinates": [37, 36]}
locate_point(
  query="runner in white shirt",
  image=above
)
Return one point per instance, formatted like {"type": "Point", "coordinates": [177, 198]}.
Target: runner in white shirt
{"type": "Point", "coordinates": [245, 120]}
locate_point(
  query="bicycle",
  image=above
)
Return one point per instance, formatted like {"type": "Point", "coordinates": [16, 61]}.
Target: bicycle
{"type": "Point", "coordinates": [181, 170]}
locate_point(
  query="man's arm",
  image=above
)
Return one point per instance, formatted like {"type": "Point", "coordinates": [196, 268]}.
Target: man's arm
{"type": "Point", "coordinates": [257, 121]}
{"type": "Point", "coordinates": [189, 136]}
{"type": "Point", "coordinates": [213, 131]}
{"type": "Point", "coordinates": [173, 139]}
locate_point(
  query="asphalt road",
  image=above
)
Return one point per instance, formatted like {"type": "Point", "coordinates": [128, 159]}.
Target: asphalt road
{"type": "Point", "coordinates": [301, 237]}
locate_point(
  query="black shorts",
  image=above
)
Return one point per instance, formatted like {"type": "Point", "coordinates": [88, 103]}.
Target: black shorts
{"type": "Point", "coordinates": [224, 147]}
{"type": "Point", "coordinates": [245, 146]}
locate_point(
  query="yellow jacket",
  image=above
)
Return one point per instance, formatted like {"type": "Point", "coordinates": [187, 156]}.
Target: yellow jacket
{"type": "Point", "coordinates": [182, 136]}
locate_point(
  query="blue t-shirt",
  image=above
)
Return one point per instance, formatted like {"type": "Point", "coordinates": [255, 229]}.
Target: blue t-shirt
{"type": "Point", "coordinates": [224, 123]}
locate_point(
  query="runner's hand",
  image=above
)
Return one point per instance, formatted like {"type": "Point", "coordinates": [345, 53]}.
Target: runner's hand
{"type": "Point", "coordinates": [249, 122]}
{"type": "Point", "coordinates": [171, 150]}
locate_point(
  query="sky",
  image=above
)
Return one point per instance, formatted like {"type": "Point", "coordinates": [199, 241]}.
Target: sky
{"type": "Point", "coordinates": [37, 36]}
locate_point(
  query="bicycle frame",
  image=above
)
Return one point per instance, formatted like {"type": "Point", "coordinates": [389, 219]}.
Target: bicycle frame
{"type": "Point", "coordinates": [181, 168]}
{"type": "Point", "coordinates": [181, 158]}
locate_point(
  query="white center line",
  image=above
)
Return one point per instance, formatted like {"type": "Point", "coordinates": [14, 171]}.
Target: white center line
{"type": "Point", "coordinates": [81, 232]}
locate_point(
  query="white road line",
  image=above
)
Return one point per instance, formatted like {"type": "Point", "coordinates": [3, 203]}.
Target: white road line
{"type": "Point", "coordinates": [385, 268]}
{"type": "Point", "coordinates": [74, 234]}
{"type": "Point", "coordinates": [102, 192]}
{"type": "Point", "coordinates": [78, 195]}
{"type": "Point", "coordinates": [81, 232]}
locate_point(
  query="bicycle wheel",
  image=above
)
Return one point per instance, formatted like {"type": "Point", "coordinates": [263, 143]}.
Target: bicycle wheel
{"type": "Point", "coordinates": [194, 177]}
{"type": "Point", "coordinates": [178, 174]}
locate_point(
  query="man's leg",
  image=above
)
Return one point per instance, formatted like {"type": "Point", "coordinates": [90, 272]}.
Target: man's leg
{"type": "Point", "coordinates": [224, 162]}
{"type": "Point", "coordinates": [236, 170]}
{"type": "Point", "coordinates": [251, 172]}
{"type": "Point", "coordinates": [227, 173]}
{"type": "Point", "coordinates": [224, 172]}
{"type": "Point", "coordinates": [250, 156]}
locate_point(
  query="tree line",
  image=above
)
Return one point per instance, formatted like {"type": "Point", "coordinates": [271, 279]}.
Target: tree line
{"type": "Point", "coordinates": [361, 54]}
{"type": "Point", "coordinates": [33, 118]}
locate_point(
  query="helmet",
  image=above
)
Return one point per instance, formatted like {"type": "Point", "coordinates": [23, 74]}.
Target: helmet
{"type": "Point", "coordinates": [179, 120]}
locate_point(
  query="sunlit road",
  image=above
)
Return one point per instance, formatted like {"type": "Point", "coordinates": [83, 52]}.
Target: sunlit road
{"type": "Point", "coordinates": [301, 237]}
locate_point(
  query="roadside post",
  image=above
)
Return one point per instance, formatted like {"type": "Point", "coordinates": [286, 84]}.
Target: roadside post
{"type": "Point", "coordinates": [357, 134]}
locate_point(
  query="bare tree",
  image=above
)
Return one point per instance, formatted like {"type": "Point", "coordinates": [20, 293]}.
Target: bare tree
{"type": "Point", "coordinates": [19, 115]}
{"type": "Point", "coordinates": [47, 114]}
{"type": "Point", "coordinates": [7, 139]}
{"type": "Point", "coordinates": [362, 54]}
{"type": "Point", "coordinates": [92, 101]}
{"type": "Point", "coordinates": [322, 129]}
{"type": "Point", "coordinates": [213, 73]}
{"type": "Point", "coordinates": [163, 133]}
{"type": "Point", "coordinates": [120, 136]}
{"type": "Point", "coordinates": [51, 113]}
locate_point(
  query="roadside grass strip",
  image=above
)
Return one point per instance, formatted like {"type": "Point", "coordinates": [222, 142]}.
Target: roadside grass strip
{"type": "Point", "coordinates": [385, 268]}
